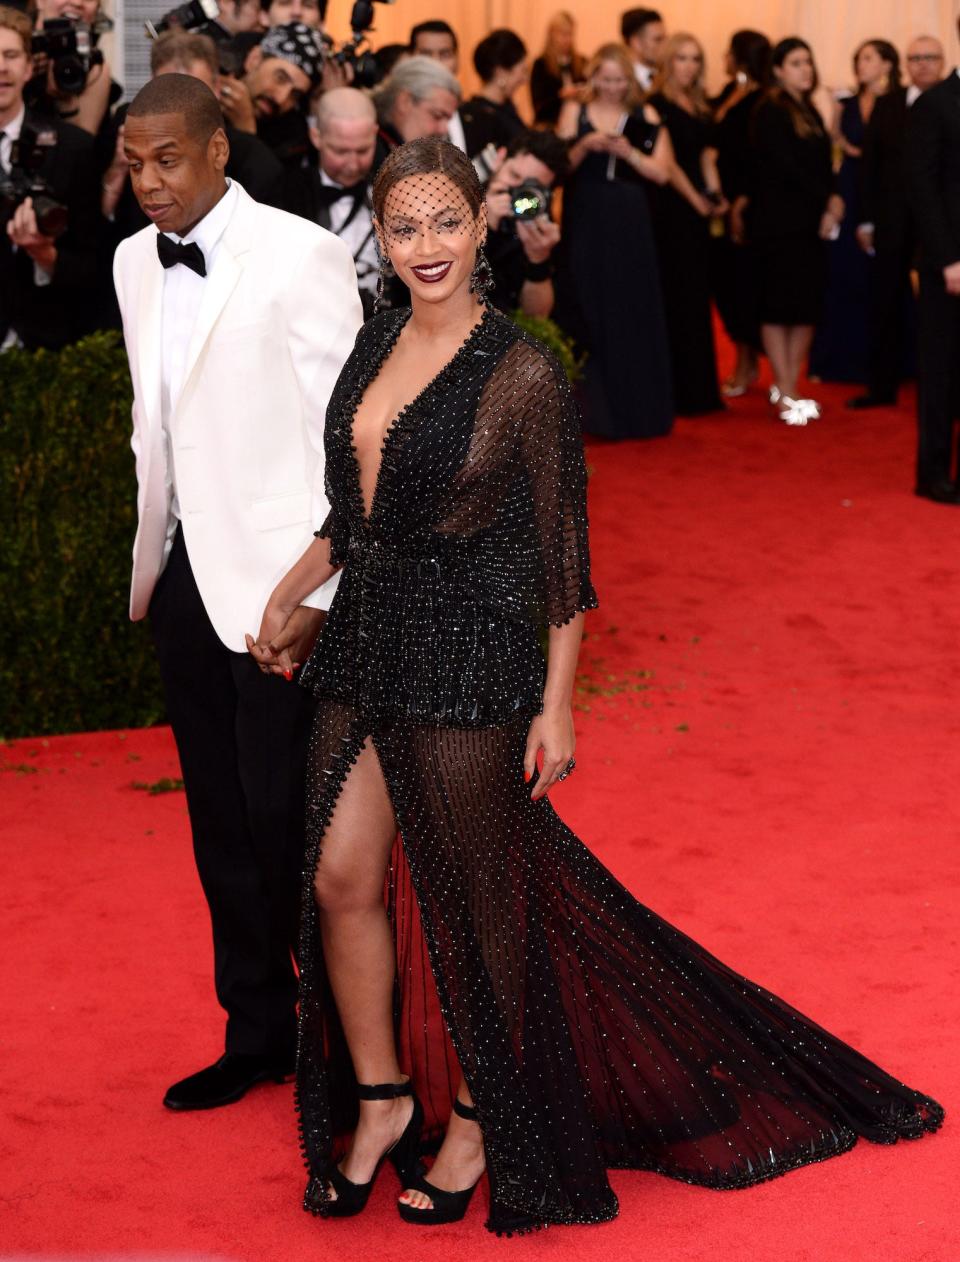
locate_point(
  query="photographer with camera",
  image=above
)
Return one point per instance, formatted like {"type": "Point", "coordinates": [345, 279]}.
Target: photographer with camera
{"type": "Point", "coordinates": [71, 80]}
{"type": "Point", "coordinates": [49, 217]}
{"type": "Point", "coordinates": [284, 12]}
{"type": "Point", "coordinates": [270, 100]}
{"type": "Point", "coordinates": [521, 234]}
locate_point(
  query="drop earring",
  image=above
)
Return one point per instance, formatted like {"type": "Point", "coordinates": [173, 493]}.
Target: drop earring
{"type": "Point", "coordinates": [481, 278]}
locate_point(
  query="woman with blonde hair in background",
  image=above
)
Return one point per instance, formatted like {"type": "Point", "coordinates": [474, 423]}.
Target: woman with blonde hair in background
{"type": "Point", "coordinates": [683, 209]}
{"type": "Point", "coordinates": [558, 72]}
{"type": "Point", "coordinates": [608, 284]}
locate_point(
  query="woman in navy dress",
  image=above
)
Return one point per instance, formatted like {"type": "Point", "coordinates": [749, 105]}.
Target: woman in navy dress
{"type": "Point", "coordinates": [840, 350]}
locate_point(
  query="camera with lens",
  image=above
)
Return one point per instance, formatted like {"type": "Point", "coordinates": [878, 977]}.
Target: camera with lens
{"type": "Point", "coordinates": [192, 16]}
{"type": "Point", "coordinates": [25, 179]}
{"type": "Point", "coordinates": [69, 45]}
{"type": "Point", "coordinates": [366, 70]}
{"type": "Point", "coordinates": [529, 199]}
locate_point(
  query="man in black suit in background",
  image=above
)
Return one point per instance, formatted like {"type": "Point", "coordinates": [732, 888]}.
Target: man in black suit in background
{"type": "Point", "coordinates": [933, 170]}
{"type": "Point", "coordinates": [886, 230]}
{"type": "Point", "coordinates": [47, 279]}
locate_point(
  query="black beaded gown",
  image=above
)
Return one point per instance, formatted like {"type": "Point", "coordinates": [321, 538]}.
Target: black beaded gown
{"type": "Point", "coordinates": [592, 1034]}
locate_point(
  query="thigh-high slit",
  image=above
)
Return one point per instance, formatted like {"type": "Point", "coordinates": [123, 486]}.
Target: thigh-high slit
{"type": "Point", "coordinates": [591, 1033]}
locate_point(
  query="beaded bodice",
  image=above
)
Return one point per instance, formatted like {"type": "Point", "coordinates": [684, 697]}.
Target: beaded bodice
{"type": "Point", "coordinates": [477, 532]}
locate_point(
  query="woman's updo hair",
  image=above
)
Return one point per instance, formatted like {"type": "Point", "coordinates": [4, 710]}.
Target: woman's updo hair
{"type": "Point", "coordinates": [431, 155]}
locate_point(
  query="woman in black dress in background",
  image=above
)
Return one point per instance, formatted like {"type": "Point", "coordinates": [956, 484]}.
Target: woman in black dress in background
{"type": "Point", "coordinates": [584, 1032]}
{"type": "Point", "coordinates": [733, 268]}
{"type": "Point", "coordinates": [683, 209]}
{"type": "Point", "coordinates": [793, 210]}
{"type": "Point", "coordinates": [490, 117]}
{"type": "Point", "coordinates": [840, 349]}
{"type": "Point", "coordinates": [558, 72]}
{"type": "Point", "coordinates": [608, 284]}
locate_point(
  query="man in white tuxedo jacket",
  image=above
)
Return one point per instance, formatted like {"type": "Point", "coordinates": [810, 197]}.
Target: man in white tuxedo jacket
{"type": "Point", "coordinates": [237, 319]}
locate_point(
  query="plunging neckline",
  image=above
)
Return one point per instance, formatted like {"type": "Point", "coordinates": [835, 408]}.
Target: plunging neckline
{"type": "Point", "coordinates": [403, 414]}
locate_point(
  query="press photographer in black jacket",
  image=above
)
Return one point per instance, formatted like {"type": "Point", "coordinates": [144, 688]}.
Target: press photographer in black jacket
{"type": "Point", "coordinates": [47, 272]}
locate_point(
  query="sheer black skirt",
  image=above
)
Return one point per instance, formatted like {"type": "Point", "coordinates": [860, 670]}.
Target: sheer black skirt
{"type": "Point", "coordinates": [591, 1033]}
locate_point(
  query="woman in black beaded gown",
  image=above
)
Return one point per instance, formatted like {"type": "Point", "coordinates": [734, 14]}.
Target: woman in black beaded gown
{"type": "Point", "coordinates": [579, 1031]}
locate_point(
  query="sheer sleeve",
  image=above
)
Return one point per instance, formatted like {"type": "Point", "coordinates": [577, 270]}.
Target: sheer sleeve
{"type": "Point", "coordinates": [337, 532]}
{"type": "Point", "coordinates": [551, 451]}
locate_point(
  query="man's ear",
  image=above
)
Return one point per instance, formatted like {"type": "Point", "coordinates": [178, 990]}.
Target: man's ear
{"type": "Point", "coordinates": [314, 134]}
{"type": "Point", "coordinates": [252, 59]}
{"type": "Point", "coordinates": [218, 147]}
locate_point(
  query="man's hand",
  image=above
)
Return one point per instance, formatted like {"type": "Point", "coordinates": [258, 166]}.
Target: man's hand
{"type": "Point", "coordinates": [498, 206]}
{"type": "Point", "coordinates": [538, 237]}
{"type": "Point", "coordinates": [865, 238]}
{"type": "Point", "coordinates": [25, 235]}
{"type": "Point", "coordinates": [237, 105]}
{"type": "Point", "coordinates": [951, 278]}
{"type": "Point", "coordinates": [286, 640]}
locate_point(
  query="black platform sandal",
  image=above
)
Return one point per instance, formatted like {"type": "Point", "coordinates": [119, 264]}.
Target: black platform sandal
{"type": "Point", "coordinates": [404, 1154]}
{"type": "Point", "coordinates": [448, 1207]}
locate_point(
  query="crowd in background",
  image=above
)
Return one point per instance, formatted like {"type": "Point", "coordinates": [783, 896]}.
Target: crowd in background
{"type": "Point", "coordinates": [796, 213]}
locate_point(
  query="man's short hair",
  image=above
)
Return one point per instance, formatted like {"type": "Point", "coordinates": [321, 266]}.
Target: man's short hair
{"type": "Point", "coordinates": [13, 20]}
{"type": "Point", "coordinates": [321, 5]}
{"type": "Point", "coordinates": [417, 75]}
{"type": "Point", "coordinates": [634, 20]}
{"type": "Point", "coordinates": [501, 50]}
{"type": "Point", "coordinates": [182, 49]}
{"type": "Point", "coordinates": [180, 94]}
{"type": "Point", "coordinates": [433, 26]}
{"type": "Point", "coordinates": [546, 147]}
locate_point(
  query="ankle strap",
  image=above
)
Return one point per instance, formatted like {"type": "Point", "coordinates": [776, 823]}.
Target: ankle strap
{"type": "Point", "coordinates": [384, 1090]}
{"type": "Point", "coordinates": [466, 1111]}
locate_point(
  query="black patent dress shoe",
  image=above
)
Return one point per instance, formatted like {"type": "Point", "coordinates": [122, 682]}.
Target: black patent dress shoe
{"type": "Point", "coordinates": [863, 401]}
{"type": "Point", "coordinates": [943, 492]}
{"type": "Point", "coordinates": [226, 1081]}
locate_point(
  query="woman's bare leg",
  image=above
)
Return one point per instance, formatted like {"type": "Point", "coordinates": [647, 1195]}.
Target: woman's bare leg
{"type": "Point", "coordinates": [799, 341]}
{"type": "Point", "coordinates": [776, 344]}
{"type": "Point", "coordinates": [359, 953]}
{"type": "Point", "coordinates": [459, 1162]}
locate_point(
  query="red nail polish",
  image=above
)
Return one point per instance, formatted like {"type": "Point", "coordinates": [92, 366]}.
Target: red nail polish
{"type": "Point", "coordinates": [288, 675]}
{"type": "Point", "coordinates": [527, 776]}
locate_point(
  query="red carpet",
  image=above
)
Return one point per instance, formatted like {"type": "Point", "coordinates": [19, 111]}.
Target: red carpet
{"type": "Point", "coordinates": [770, 759]}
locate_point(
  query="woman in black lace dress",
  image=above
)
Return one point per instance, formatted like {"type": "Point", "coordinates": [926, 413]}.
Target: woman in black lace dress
{"type": "Point", "coordinates": [579, 1031]}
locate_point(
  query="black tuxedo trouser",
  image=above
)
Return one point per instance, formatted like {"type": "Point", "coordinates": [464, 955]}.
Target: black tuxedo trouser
{"type": "Point", "coordinates": [242, 740]}
{"type": "Point", "coordinates": [938, 363]}
{"type": "Point", "coordinates": [889, 308]}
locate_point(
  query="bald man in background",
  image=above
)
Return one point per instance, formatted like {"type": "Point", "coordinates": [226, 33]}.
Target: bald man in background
{"type": "Point", "coordinates": [335, 192]}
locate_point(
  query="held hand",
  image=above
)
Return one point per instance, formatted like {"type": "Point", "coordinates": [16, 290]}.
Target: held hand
{"type": "Point", "coordinates": [286, 639]}
{"type": "Point", "coordinates": [829, 226]}
{"type": "Point", "coordinates": [498, 206]}
{"type": "Point", "coordinates": [620, 147]}
{"type": "Point", "coordinates": [538, 237]}
{"type": "Point", "coordinates": [553, 733]}
{"type": "Point", "coordinates": [865, 239]}
{"type": "Point", "coordinates": [237, 105]}
{"type": "Point", "coordinates": [951, 277]}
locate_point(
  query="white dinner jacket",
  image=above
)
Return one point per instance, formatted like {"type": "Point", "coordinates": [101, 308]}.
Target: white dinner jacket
{"type": "Point", "coordinates": [278, 317]}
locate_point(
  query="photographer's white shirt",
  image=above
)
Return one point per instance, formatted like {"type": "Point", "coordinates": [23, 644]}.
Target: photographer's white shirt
{"type": "Point", "coordinates": [11, 134]}
{"type": "Point", "coordinates": [182, 292]}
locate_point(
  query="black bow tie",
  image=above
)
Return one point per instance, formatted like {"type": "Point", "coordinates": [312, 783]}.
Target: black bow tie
{"type": "Point", "coordinates": [329, 193]}
{"type": "Point", "coordinates": [173, 252]}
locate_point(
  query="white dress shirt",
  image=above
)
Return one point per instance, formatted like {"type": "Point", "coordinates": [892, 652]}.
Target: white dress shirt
{"type": "Point", "coordinates": [455, 133]}
{"type": "Point", "coordinates": [11, 133]}
{"type": "Point", "coordinates": [182, 291]}
{"type": "Point", "coordinates": [357, 235]}
{"type": "Point", "coordinates": [644, 74]}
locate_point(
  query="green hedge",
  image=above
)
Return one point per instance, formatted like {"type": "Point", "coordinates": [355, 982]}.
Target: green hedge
{"type": "Point", "coordinates": [70, 659]}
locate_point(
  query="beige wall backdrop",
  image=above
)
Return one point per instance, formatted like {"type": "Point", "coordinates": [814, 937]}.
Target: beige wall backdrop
{"type": "Point", "coordinates": [833, 27]}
